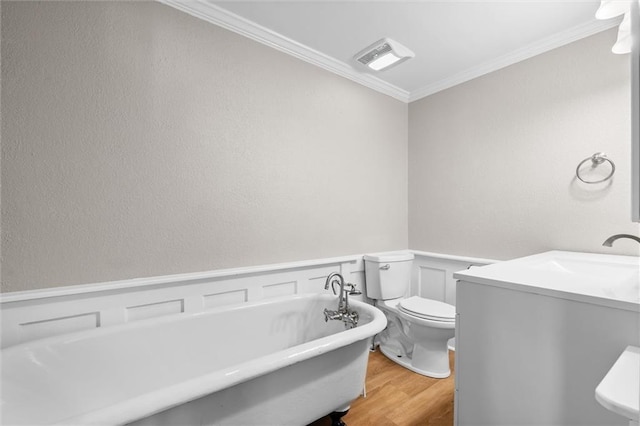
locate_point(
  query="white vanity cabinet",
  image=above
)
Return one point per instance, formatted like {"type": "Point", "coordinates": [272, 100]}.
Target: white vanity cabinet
{"type": "Point", "coordinates": [533, 354]}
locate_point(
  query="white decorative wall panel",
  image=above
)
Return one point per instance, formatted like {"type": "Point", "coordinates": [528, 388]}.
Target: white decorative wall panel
{"type": "Point", "coordinates": [151, 310]}
{"type": "Point", "coordinates": [433, 283]}
{"type": "Point", "coordinates": [227, 298]}
{"type": "Point", "coordinates": [37, 314]}
{"type": "Point", "coordinates": [432, 275]}
{"type": "Point", "coordinates": [280, 289]}
{"type": "Point", "coordinates": [313, 285]}
{"type": "Point", "coordinates": [52, 327]}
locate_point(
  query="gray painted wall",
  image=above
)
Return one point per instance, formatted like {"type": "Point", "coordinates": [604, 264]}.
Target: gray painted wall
{"type": "Point", "coordinates": [492, 161]}
{"type": "Point", "coordinates": [140, 141]}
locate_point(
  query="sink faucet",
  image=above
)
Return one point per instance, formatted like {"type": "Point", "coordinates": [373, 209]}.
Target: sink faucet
{"type": "Point", "coordinates": [609, 241]}
{"type": "Point", "coordinates": [349, 317]}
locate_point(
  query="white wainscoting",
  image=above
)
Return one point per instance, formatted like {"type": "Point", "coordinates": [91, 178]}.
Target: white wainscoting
{"type": "Point", "coordinates": [432, 274]}
{"type": "Point", "coordinates": [36, 314]}
{"type": "Point", "coordinates": [43, 313]}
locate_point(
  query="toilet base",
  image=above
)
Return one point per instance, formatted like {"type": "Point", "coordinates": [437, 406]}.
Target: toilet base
{"type": "Point", "coordinates": [405, 361]}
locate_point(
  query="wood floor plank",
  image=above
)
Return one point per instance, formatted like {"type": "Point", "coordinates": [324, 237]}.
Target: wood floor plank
{"type": "Point", "coordinates": [425, 405]}
{"type": "Point", "coordinates": [399, 397]}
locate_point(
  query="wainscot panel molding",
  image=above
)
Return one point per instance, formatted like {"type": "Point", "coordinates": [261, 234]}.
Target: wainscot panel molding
{"type": "Point", "coordinates": [37, 314]}
{"type": "Point", "coordinates": [432, 274]}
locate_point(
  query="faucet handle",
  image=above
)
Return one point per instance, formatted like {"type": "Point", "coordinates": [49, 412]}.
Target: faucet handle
{"type": "Point", "coordinates": [353, 291]}
{"type": "Point", "coordinates": [351, 319]}
{"type": "Point", "coordinates": [331, 315]}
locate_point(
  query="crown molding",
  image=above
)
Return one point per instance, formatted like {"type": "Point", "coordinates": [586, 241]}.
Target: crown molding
{"type": "Point", "coordinates": [541, 46]}
{"type": "Point", "coordinates": [214, 14]}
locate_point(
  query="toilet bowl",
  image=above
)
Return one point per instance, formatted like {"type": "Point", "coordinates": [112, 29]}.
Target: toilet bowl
{"type": "Point", "coordinates": [428, 328]}
{"type": "Point", "coordinates": [418, 328]}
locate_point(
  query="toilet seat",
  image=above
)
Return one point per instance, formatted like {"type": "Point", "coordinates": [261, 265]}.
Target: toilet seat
{"type": "Point", "coordinates": [428, 309]}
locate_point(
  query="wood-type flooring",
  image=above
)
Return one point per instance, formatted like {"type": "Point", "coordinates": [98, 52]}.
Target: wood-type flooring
{"type": "Point", "coordinates": [399, 397]}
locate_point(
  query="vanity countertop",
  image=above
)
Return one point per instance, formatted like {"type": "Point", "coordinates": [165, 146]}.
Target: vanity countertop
{"type": "Point", "coordinates": [601, 279]}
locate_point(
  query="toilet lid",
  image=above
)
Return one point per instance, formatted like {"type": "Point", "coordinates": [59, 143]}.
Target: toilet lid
{"type": "Point", "coordinates": [428, 308]}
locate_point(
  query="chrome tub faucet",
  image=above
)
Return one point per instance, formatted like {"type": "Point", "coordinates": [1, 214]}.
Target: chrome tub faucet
{"type": "Point", "coordinates": [344, 314]}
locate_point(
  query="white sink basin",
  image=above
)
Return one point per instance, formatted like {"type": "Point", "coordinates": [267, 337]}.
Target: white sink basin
{"type": "Point", "coordinates": [619, 391]}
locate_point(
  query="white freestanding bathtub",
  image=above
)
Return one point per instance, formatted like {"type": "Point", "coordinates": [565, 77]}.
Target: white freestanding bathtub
{"type": "Point", "coordinates": [273, 362]}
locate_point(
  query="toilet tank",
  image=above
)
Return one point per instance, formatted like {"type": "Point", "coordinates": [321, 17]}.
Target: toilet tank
{"type": "Point", "coordinates": [388, 275]}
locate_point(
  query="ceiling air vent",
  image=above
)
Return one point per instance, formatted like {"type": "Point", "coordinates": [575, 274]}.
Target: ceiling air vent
{"type": "Point", "coordinates": [383, 54]}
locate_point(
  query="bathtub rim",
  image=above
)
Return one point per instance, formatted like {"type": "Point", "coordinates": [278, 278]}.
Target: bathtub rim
{"type": "Point", "coordinates": [171, 396]}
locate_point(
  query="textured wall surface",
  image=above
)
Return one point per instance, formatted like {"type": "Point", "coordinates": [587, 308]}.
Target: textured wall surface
{"type": "Point", "coordinates": [140, 141]}
{"type": "Point", "coordinates": [492, 161]}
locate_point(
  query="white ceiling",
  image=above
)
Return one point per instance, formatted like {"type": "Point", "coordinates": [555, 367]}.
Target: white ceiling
{"type": "Point", "coordinates": [454, 41]}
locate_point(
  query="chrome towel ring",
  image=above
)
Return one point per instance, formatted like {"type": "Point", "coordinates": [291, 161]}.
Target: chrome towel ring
{"type": "Point", "coordinates": [596, 159]}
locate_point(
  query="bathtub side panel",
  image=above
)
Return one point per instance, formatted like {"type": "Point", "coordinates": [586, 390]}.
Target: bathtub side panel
{"type": "Point", "coordinates": [120, 374]}
{"type": "Point", "coordinates": [295, 395]}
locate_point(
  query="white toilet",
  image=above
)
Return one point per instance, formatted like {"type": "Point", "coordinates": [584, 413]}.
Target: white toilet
{"type": "Point", "coordinates": [418, 329]}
